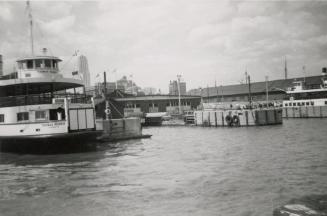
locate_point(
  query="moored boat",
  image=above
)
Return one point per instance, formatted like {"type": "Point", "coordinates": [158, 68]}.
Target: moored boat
{"type": "Point", "coordinates": [37, 114]}
{"type": "Point", "coordinates": [304, 101]}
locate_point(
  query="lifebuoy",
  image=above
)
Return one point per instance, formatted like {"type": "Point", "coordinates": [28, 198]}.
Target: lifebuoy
{"type": "Point", "coordinates": [236, 120]}
{"type": "Point", "coordinates": [107, 111]}
{"type": "Point", "coordinates": [229, 120]}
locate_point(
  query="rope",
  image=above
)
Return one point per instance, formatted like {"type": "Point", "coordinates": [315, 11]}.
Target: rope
{"type": "Point", "coordinates": [75, 54]}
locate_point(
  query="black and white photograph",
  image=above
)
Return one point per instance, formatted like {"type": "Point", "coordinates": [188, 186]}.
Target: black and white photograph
{"type": "Point", "coordinates": [163, 108]}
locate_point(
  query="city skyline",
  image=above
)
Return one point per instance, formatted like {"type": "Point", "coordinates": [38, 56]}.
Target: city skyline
{"type": "Point", "coordinates": [203, 41]}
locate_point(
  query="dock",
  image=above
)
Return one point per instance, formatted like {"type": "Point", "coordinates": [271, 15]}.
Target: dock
{"type": "Point", "coordinates": [238, 118]}
{"type": "Point", "coordinates": [305, 112]}
{"type": "Point", "coordinates": [120, 129]}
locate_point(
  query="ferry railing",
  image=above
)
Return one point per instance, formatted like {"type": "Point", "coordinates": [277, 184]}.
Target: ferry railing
{"type": "Point", "coordinates": [25, 100]}
{"type": "Point", "coordinates": [77, 98]}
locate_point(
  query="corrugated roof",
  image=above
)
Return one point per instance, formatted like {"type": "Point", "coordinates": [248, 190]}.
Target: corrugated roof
{"type": "Point", "coordinates": [256, 87]}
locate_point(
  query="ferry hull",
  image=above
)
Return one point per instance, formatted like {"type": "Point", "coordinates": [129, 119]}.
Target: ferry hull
{"type": "Point", "coordinates": [51, 144]}
{"type": "Point", "coordinates": [305, 112]}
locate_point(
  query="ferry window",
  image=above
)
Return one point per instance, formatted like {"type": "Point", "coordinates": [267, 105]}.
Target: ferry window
{"type": "Point", "coordinates": [325, 102]}
{"type": "Point", "coordinates": [29, 64]}
{"type": "Point", "coordinates": [307, 103]}
{"type": "Point", "coordinates": [40, 115]}
{"type": "Point", "coordinates": [294, 104]}
{"type": "Point", "coordinates": [138, 106]}
{"type": "Point", "coordinates": [286, 104]}
{"type": "Point", "coordinates": [2, 118]}
{"type": "Point", "coordinates": [20, 65]}
{"type": "Point", "coordinates": [290, 104]}
{"type": "Point", "coordinates": [47, 63]}
{"type": "Point", "coordinates": [27, 75]}
{"type": "Point", "coordinates": [38, 63]}
{"type": "Point", "coordinates": [312, 103]}
{"type": "Point", "coordinates": [22, 116]}
{"type": "Point", "coordinates": [57, 114]}
{"type": "Point", "coordinates": [298, 103]}
{"type": "Point", "coordinates": [303, 104]}
{"type": "Point", "coordinates": [24, 66]}
{"type": "Point", "coordinates": [54, 64]}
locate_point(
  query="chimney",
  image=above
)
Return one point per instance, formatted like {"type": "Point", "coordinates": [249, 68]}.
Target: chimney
{"type": "Point", "coordinates": [44, 51]}
{"type": "Point", "coordinates": [1, 66]}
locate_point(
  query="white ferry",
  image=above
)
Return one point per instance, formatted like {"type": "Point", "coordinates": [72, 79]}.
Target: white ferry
{"type": "Point", "coordinates": [36, 112]}
{"type": "Point", "coordinates": [303, 102]}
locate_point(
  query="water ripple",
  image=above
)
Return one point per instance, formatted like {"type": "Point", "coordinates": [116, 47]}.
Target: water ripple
{"type": "Point", "coordinates": [179, 171]}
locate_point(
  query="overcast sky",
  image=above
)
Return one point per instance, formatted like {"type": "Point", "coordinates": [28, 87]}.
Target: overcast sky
{"type": "Point", "coordinates": [155, 40]}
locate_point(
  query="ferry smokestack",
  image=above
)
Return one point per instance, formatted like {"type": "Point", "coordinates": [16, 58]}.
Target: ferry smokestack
{"type": "Point", "coordinates": [324, 71]}
{"type": "Point", "coordinates": [44, 50]}
{"type": "Point", "coordinates": [1, 66]}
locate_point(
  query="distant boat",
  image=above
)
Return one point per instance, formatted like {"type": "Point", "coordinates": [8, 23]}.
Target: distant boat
{"type": "Point", "coordinates": [154, 119]}
{"type": "Point", "coordinates": [304, 102]}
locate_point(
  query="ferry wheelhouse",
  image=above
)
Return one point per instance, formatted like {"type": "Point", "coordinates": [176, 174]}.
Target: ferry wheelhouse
{"type": "Point", "coordinates": [38, 114]}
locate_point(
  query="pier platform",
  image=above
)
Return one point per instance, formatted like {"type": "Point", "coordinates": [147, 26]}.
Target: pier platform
{"type": "Point", "coordinates": [120, 129]}
{"type": "Point", "coordinates": [237, 118]}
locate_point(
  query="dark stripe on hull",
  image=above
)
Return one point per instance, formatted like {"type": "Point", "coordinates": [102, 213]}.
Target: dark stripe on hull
{"type": "Point", "coordinates": [51, 144]}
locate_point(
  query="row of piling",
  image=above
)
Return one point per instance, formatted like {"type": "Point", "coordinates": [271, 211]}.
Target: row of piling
{"type": "Point", "coordinates": [237, 118]}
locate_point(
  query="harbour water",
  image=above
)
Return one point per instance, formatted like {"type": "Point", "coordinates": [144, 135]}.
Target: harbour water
{"type": "Point", "coordinates": [179, 171]}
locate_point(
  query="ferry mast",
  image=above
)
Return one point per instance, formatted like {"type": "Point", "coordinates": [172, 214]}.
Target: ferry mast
{"type": "Point", "coordinates": [28, 8]}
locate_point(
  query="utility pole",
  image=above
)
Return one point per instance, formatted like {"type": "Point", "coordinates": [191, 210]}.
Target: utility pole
{"type": "Point", "coordinates": [114, 72]}
{"type": "Point", "coordinates": [107, 110]}
{"type": "Point", "coordinates": [179, 93]}
{"type": "Point", "coordinates": [304, 73]}
{"type": "Point", "coordinates": [217, 91]}
{"type": "Point", "coordinates": [208, 93]}
{"type": "Point", "coordinates": [267, 99]}
{"type": "Point", "coordinates": [250, 97]}
{"type": "Point", "coordinates": [200, 89]}
{"type": "Point", "coordinates": [105, 84]}
{"type": "Point", "coordinates": [285, 68]}
{"type": "Point", "coordinates": [246, 76]}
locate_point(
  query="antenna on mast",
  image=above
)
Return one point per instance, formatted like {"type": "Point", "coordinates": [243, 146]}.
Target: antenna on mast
{"type": "Point", "coordinates": [28, 8]}
{"type": "Point", "coordinates": [246, 75]}
{"type": "Point", "coordinates": [285, 69]}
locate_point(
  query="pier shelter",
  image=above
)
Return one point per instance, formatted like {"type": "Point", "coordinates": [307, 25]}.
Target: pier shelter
{"type": "Point", "coordinates": [239, 93]}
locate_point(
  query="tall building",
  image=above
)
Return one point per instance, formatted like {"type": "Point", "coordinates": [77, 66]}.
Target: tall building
{"type": "Point", "coordinates": [129, 85]}
{"type": "Point", "coordinates": [149, 90]}
{"type": "Point", "coordinates": [99, 88]}
{"type": "Point", "coordinates": [173, 87]}
{"type": "Point", "coordinates": [83, 69]}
